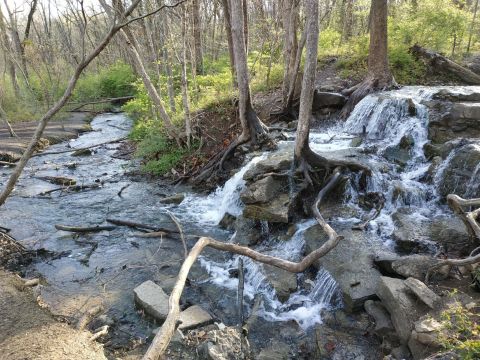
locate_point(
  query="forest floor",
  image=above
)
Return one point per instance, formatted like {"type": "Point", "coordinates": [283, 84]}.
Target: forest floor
{"type": "Point", "coordinates": [27, 331]}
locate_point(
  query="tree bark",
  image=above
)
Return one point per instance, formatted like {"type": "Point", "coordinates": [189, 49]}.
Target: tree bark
{"type": "Point", "coordinates": [289, 45]}
{"type": "Point", "coordinates": [183, 60]}
{"type": "Point", "coordinates": [228, 29]}
{"type": "Point", "coordinates": [302, 147]}
{"type": "Point", "coordinates": [197, 34]}
{"type": "Point", "coordinates": [379, 76]}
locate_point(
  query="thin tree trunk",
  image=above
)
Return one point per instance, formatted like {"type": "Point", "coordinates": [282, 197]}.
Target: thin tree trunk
{"type": "Point", "coordinates": [251, 125]}
{"type": "Point", "coordinates": [306, 99]}
{"type": "Point", "coordinates": [4, 118]}
{"type": "Point", "coordinates": [186, 106]}
{"type": "Point", "coordinates": [290, 44]}
{"type": "Point", "coordinates": [8, 54]}
{"type": "Point", "coordinates": [228, 29]}
{"type": "Point", "coordinates": [472, 26]}
{"type": "Point", "coordinates": [197, 34]}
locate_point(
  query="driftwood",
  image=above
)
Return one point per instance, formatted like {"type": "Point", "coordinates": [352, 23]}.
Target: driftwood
{"type": "Point", "coordinates": [241, 285]}
{"type": "Point", "coordinates": [136, 225]}
{"type": "Point", "coordinates": [103, 101]}
{"type": "Point", "coordinates": [440, 63]}
{"type": "Point", "coordinates": [85, 229]}
{"type": "Point", "coordinates": [6, 163]}
{"type": "Point", "coordinates": [163, 337]}
{"type": "Point", "coordinates": [154, 234]}
{"type": "Point", "coordinates": [471, 220]}
{"type": "Point", "coordinates": [99, 332]}
{"type": "Point", "coordinates": [79, 149]}
{"type": "Point", "coordinates": [88, 316]}
{"type": "Point", "coordinates": [71, 188]}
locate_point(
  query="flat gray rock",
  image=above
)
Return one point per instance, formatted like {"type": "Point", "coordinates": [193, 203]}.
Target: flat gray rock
{"type": "Point", "coordinates": [152, 299]}
{"type": "Point", "coordinates": [422, 292]}
{"type": "Point", "coordinates": [194, 317]}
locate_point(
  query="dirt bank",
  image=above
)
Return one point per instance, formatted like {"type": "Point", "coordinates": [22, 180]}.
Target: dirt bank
{"type": "Point", "coordinates": [28, 331]}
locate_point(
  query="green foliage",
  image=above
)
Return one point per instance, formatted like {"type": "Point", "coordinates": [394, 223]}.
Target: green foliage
{"type": "Point", "coordinates": [460, 332]}
{"type": "Point", "coordinates": [116, 80]}
{"type": "Point", "coordinates": [160, 153]}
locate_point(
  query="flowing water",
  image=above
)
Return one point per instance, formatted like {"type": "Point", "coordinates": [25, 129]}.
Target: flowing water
{"type": "Point", "coordinates": [106, 266]}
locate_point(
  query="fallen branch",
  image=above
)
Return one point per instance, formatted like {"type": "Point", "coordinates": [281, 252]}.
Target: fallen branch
{"type": "Point", "coordinates": [79, 149]}
{"type": "Point", "coordinates": [163, 337]}
{"type": "Point", "coordinates": [180, 230]}
{"type": "Point", "coordinates": [99, 332]}
{"type": "Point", "coordinates": [88, 316]}
{"type": "Point", "coordinates": [31, 282]}
{"type": "Point", "coordinates": [154, 234]}
{"type": "Point", "coordinates": [71, 188]}
{"type": "Point", "coordinates": [140, 226]}
{"type": "Point", "coordinates": [6, 163]}
{"type": "Point", "coordinates": [79, 229]}
{"type": "Point", "coordinates": [122, 98]}
{"type": "Point", "coordinates": [121, 190]}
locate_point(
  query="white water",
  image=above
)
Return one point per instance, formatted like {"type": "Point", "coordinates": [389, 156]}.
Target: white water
{"type": "Point", "coordinates": [383, 119]}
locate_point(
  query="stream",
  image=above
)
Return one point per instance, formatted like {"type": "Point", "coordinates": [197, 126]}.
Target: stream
{"type": "Point", "coordinates": [104, 267]}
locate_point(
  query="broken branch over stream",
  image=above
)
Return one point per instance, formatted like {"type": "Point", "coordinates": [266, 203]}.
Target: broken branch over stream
{"type": "Point", "coordinates": [163, 337]}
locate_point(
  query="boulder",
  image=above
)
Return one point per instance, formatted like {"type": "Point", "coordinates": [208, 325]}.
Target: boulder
{"type": "Point", "coordinates": [401, 353]}
{"type": "Point", "coordinates": [410, 234]}
{"type": "Point", "coordinates": [402, 305]}
{"type": "Point", "coordinates": [278, 161]}
{"type": "Point", "coordinates": [421, 290]}
{"type": "Point", "coordinates": [284, 282]}
{"type": "Point", "coordinates": [227, 222]}
{"type": "Point", "coordinates": [383, 324]}
{"type": "Point", "coordinates": [262, 191]}
{"type": "Point", "coordinates": [323, 99]}
{"type": "Point", "coordinates": [247, 231]}
{"type": "Point", "coordinates": [276, 211]}
{"type": "Point", "coordinates": [194, 317]}
{"type": "Point", "coordinates": [350, 263]}
{"type": "Point", "coordinates": [174, 199]}
{"type": "Point", "coordinates": [424, 338]}
{"type": "Point", "coordinates": [415, 266]}
{"type": "Point", "coordinates": [152, 299]}
{"type": "Point", "coordinates": [454, 117]}
{"type": "Point", "coordinates": [461, 175]}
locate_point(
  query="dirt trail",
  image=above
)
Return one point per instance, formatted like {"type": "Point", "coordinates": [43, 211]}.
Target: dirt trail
{"type": "Point", "coordinates": [28, 331]}
{"type": "Point", "coordinates": [11, 148]}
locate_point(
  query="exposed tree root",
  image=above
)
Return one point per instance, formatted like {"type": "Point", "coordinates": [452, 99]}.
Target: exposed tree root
{"type": "Point", "coordinates": [471, 221]}
{"type": "Point", "coordinates": [366, 87]}
{"type": "Point", "coordinates": [162, 339]}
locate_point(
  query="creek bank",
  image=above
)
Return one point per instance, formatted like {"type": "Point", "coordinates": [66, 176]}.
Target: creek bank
{"type": "Point", "coordinates": [11, 149]}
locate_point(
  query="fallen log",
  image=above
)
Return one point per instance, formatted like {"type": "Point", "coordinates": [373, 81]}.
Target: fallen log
{"type": "Point", "coordinates": [440, 63]}
{"type": "Point", "coordinates": [161, 341]}
{"type": "Point", "coordinates": [79, 229]}
{"type": "Point", "coordinates": [71, 188]}
{"type": "Point", "coordinates": [6, 163]}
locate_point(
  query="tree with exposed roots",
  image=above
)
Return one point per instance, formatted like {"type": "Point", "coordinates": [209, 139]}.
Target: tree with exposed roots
{"type": "Point", "coordinates": [379, 76]}
{"type": "Point", "coordinates": [253, 130]}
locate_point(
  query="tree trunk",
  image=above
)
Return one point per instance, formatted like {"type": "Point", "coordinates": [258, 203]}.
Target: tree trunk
{"type": "Point", "coordinates": [379, 76]}
{"type": "Point", "coordinates": [472, 26]}
{"type": "Point", "coordinates": [302, 147]}
{"type": "Point", "coordinates": [132, 46]}
{"type": "Point", "coordinates": [197, 34]}
{"type": "Point", "coordinates": [183, 60]}
{"type": "Point", "coordinates": [289, 45]}
{"type": "Point", "coordinates": [245, 24]}
{"type": "Point", "coordinates": [5, 41]}
{"type": "Point", "coordinates": [4, 118]}
{"type": "Point", "coordinates": [228, 29]}
{"type": "Point", "coordinates": [251, 124]}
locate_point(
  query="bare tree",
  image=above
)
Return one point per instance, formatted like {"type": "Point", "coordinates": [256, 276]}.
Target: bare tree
{"type": "Point", "coordinates": [197, 35]}
{"type": "Point", "coordinates": [120, 22]}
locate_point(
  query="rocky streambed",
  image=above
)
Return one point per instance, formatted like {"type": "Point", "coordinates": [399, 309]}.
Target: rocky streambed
{"type": "Point", "coordinates": [419, 144]}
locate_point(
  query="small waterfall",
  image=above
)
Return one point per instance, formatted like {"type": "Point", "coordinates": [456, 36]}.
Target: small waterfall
{"type": "Point", "coordinates": [302, 306]}
{"type": "Point", "coordinates": [211, 209]}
